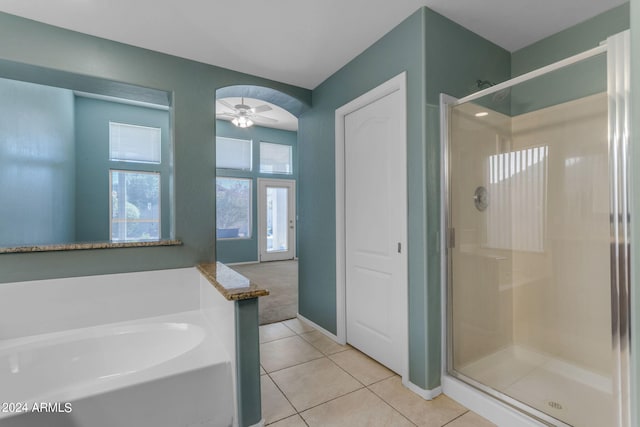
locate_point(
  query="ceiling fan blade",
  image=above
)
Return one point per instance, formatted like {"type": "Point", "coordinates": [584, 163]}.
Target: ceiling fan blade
{"type": "Point", "coordinates": [261, 108]}
{"type": "Point", "coordinates": [225, 114]}
{"type": "Point", "coordinates": [263, 119]}
{"type": "Point", "coordinates": [226, 104]}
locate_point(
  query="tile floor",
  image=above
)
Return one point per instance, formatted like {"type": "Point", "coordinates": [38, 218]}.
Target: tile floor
{"type": "Point", "coordinates": [309, 380]}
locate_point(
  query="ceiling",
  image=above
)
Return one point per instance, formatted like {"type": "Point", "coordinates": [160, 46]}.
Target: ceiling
{"type": "Point", "coordinates": [293, 41]}
{"type": "Point", "coordinates": [286, 120]}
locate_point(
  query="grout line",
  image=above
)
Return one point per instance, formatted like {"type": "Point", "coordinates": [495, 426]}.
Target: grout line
{"type": "Point", "coordinates": [334, 398]}
{"type": "Point", "coordinates": [388, 403]}
{"type": "Point", "coordinates": [452, 420]}
{"type": "Point", "coordinates": [393, 374]}
{"type": "Point", "coordinates": [284, 395]}
{"type": "Point", "coordinates": [279, 339]}
{"type": "Point", "coordinates": [297, 364]}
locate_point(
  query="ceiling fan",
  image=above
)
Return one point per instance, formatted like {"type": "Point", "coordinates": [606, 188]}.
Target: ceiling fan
{"type": "Point", "coordinates": [243, 115]}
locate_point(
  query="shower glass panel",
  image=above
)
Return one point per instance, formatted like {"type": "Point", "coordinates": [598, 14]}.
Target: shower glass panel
{"type": "Point", "coordinates": [529, 271]}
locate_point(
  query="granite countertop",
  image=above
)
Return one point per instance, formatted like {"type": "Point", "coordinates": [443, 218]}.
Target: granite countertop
{"type": "Point", "coordinates": [89, 245]}
{"type": "Point", "coordinates": [231, 284]}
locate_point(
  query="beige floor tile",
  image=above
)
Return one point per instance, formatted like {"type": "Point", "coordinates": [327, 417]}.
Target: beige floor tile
{"type": "Point", "coordinates": [294, 421]}
{"type": "Point", "coordinates": [298, 326]}
{"type": "Point", "coordinates": [360, 408]}
{"type": "Point", "coordinates": [286, 352]}
{"type": "Point", "coordinates": [470, 419]}
{"type": "Point", "coordinates": [274, 331]}
{"type": "Point", "coordinates": [314, 382]}
{"type": "Point", "coordinates": [362, 367]}
{"type": "Point", "coordinates": [262, 371]}
{"type": "Point", "coordinates": [274, 405]}
{"type": "Point", "coordinates": [427, 413]}
{"type": "Point", "coordinates": [323, 342]}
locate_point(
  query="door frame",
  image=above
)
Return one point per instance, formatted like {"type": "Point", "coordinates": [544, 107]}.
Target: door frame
{"type": "Point", "coordinates": [397, 83]}
{"type": "Point", "coordinates": [275, 182]}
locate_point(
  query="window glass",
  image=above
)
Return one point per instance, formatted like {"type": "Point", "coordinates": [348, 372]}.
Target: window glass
{"type": "Point", "coordinates": [131, 143]}
{"type": "Point", "coordinates": [276, 158]}
{"type": "Point", "coordinates": [233, 153]}
{"type": "Point", "coordinates": [135, 205]}
{"type": "Point", "coordinates": [233, 208]}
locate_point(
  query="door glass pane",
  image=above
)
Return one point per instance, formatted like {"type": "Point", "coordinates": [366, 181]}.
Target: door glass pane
{"type": "Point", "coordinates": [277, 219]}
{"type": "Point", "coordinates": [530, 269]}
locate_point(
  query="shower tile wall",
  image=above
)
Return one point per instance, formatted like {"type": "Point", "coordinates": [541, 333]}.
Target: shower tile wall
{"type": "Point", "coordinates": [484, 322]}
{"type": "Point", "coordinates": [558, 300]}
{"type": "Point", "coordinates": [547, 300]}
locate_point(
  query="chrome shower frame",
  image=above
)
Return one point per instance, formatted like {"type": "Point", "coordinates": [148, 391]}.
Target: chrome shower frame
{"type": "Point", "coordinates": [617, 49]}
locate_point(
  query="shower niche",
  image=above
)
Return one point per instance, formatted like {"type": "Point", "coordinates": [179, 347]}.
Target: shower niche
{"type": "Point", "coordinates": [532, 183]}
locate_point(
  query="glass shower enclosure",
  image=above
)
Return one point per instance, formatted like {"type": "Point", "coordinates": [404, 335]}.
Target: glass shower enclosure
{"type": "Point", "coordinates": [536, 251]}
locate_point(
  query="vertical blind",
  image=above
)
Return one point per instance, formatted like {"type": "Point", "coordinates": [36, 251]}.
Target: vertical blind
{"type": "Point", "coordinates": [516, 213]}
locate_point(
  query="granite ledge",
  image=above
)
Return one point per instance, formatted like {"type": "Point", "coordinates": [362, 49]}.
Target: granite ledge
{"type": "Point", "coordinates": [232, 285]}
{"type": "Point", "coordinates": [91, 245]}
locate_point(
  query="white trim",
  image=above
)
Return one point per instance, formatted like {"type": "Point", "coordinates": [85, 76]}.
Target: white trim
{"type": "Point", "coordinates": [425, 394]}
{"type": "Point", "coordinates": [262, 226]}
{"type": "Point", "coordinates": [242, 263]}
{"type": "Point", "coordinates": [485, 405]}
{"type": "Point", "coordinates": [536, 73]}
{"type": "Point", "coordinates": [319, 328]}
{"type": "Point", "coordinates": [397, 83]}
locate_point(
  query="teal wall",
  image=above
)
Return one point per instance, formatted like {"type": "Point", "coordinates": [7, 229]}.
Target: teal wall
{"type": "Point", "coordinates": [423, 45]}
{"type": "Point", "coordinates": [37, 163]}
{"type": "Point", "coordinates": [455, 58]}
{"type": "Point", "coordinates": [246, 250]}
{"type": "Point", "coordinates": [635, 208]}
{"type": "Point", "coordinates": [92, 117]}
{"type": "Point", "coordinates": [579, 80]}
{"type": "Point", "coordinates": [192, 85]}
{"type": "Point", "coordinates": [400, 50]}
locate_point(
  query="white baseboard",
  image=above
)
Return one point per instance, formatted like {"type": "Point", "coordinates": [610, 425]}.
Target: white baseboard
{"type": "Point", "coordinates": [425, 394]}
{"type": "Point", "coordinates": [242, 263]}
{"type": "Point", "coordinates": [319, 328]}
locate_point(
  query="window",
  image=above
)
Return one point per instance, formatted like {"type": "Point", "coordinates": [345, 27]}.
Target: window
{"type": "Point", "coordinates": [519, 179]}
{"type": "Point", "coordinates": [131, 143]}
{"type": "Point", "coordinates": [233, 208]}
{"type": "Point", "coordinates": [276, 158]}
{"type": "Point", "coordinates": [233, 153]}
{"type": "Point", "coordinates": [135, 205]}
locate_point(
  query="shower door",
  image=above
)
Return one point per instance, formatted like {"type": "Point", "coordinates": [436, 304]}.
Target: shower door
{"type": "Point", "coordinates": [529, 254]}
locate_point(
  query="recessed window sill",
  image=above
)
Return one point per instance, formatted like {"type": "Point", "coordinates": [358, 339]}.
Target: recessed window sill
{"type": "Point", "coordinates": [91, 245]}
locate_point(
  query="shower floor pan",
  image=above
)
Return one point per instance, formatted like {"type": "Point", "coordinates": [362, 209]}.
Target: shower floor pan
{"type": "Point", "coordinates": [572, 394]}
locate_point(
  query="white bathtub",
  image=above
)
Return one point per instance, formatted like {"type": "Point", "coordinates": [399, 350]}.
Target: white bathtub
{"type": "Point", "coordinates": [168, 371]}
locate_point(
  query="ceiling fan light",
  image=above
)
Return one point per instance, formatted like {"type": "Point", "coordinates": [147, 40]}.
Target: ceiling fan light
{"type": "Point", "coordinates": [242, 122]}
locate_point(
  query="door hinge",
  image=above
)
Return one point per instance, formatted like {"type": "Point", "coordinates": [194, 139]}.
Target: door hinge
{"type": "Point", "coordinates": [452, 238]}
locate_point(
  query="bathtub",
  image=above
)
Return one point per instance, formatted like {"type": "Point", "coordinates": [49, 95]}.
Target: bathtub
{"type": "Point", "coordinates": [169, 370]}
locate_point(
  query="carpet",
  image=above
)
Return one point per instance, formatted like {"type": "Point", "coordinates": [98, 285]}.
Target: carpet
{"type": "Point", "coordinates": [281, 279]}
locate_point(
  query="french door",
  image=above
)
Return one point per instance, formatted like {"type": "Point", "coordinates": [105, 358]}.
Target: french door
{"type": "Point", "coordinates": [276, 219]}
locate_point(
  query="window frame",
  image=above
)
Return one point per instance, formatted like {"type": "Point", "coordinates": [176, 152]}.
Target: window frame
{"type": "Point", "coordinates": [250, 155]}
{"type": "Point", "coordinates": [290, 147]}
{"type": "Point", "coordinates": [111, 219]}
{"type": "Point", "coordinates": [148, 162]}
{"type": "Point", "coordinates": [250, 219]}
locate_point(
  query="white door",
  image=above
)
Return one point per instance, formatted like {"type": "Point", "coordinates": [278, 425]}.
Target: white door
{"type": "Point", "coordinates": [376, 229]}
{"type": "Point", "coordinates": [276, 219]}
